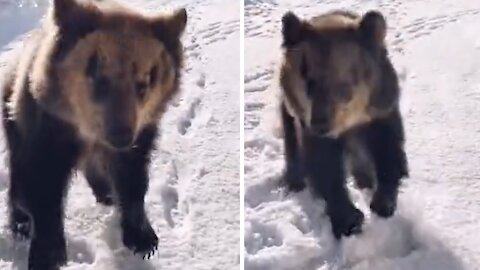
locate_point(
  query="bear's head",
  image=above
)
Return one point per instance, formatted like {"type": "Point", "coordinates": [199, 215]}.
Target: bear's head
{"type": "Point", "coordinates": [336, 74]}
{"type": "Point", "coordinates": [109, 70]}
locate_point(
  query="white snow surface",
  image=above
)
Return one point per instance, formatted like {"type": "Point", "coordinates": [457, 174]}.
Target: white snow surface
{"type": "Point", "coordinates": [435, 47]}
{"type": "Point", "coordinates": [193, 200]}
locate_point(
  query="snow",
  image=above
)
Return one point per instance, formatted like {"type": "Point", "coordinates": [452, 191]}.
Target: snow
{"type": "Point", "coordinates": [435, 48]}
{"type": "Point", "coordinates": [193, 201]}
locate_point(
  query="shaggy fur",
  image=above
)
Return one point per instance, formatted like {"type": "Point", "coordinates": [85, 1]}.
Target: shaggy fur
{"type": "Point", "coordinates": [87, 93]}
{"type": "Point", "coordinates": [340, 107]}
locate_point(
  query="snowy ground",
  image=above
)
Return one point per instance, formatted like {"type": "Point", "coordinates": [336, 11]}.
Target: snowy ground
{"type": "Point", "coordinates": [193, 201]}
{"type": "Point", "coordinates": [436, 49]}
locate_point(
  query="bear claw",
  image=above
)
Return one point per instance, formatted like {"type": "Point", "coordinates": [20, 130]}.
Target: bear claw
{"type": "Point", "coordinates": [20, 225]}
{"type": "Point", "coordinates": [150, 254]}
{"type": "Point", "coordinates": [295, 186]}
{"type": "Point", "coordinates": [21, 231]}
{"type": "Point", "coordinates": [106, 200]}
{"type": "Point", "coordinates": [141, 240]}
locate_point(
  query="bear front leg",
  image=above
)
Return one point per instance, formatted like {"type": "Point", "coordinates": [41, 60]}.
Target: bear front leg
{"type": "Point", "coordinates": [39, 176]}
{"type": "Point", "coordinates": [131, 183]}
{"type": "Point", "coordinates": [386, 143]}
{"type": "Point", "coordinates": [294, 173]}
{"type": "Point", "coordinates": [325, 165]}
{"type": "Point", "coordinates": [99, 184]}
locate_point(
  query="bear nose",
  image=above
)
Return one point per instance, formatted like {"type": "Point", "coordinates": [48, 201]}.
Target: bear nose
{"type": "Point", "coordinates": [120, 137]}
{"type": "Point", "coordinates": [320, 125]}
{"type": "Point", "coordinates": [320, 129]}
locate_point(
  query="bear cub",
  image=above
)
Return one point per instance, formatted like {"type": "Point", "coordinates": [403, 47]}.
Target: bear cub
{"type": "Point", "coordinates": [87, 92]}
{"type": "Point", "coordinates": [340, 113]}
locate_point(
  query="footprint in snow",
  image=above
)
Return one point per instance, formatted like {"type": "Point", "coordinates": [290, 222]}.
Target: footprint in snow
{"type": "Point", "coordinates": [186, 120]}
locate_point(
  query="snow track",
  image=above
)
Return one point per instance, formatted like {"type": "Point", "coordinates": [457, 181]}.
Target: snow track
{"type": "Point", "coordinates": [193, 201]}
{"type": "Point", "coordinates": [435, 46]}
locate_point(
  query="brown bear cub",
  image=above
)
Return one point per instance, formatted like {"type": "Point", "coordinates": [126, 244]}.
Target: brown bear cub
{"type": "Point", "coordinates": [340, 106]}
{"type": "Point", "coordinates": [87, 93]}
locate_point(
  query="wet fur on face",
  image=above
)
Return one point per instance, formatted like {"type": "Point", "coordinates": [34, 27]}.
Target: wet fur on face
{"type": "Point", "coordinates": [335, 73]}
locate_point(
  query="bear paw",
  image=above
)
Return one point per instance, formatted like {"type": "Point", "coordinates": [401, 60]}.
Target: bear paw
{"type": "Point", "coordinates": [141, 240]}
{"type": "Point", "coordinates": [106, 200]}
{"type": "Point", "coordinates": [46, 254]}
{"type": "Point", "coordinates": [383, 205]}
{"type": "Point", "coordinates": [347, 224]}
{"type": "Point", "coordinates": [293, 179]}
{"type": "Point", "coordinates": [21, 226]}
{"type": "Point", "coordinates": [21, 231]}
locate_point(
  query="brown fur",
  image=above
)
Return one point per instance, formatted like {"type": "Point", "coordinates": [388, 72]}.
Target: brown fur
{"type": "Point", "coordinates": [129, 45]}
{"type": "Point", "coordinates": [340, 114]}
{"type": "Point", "coordinates": [87, 92]}
{"type": "Point", "coordinates": [329, 49]}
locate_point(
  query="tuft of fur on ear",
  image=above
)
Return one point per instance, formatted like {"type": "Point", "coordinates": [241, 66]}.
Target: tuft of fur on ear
{"type": "Point", "coordinates": [292, 29]}
{"type": "Point", "coordinates": [373, 27]}
{"type": "Point", "coordinates": [73, 17]}
{"type": "Point", "coordinates": [172, 26]}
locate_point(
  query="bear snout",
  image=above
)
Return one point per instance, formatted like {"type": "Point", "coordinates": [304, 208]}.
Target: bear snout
{"type": "Point", "coordinates": [120, 138]}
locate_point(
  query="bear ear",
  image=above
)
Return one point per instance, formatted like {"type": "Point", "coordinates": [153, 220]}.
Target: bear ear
{"type": "Point", "coordinates": [171, 26]}
{"type": "Point", "coordinates": [292, 29]}
{"type": "Point", "coordinates": [373, 27]}
{"type": "Point", "coordinates": [74, 17]}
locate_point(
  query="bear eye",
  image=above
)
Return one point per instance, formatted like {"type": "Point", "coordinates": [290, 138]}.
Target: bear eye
{"type": "Point", "coordinates": [101, 87]}
{"type": "Point", "coordinates": [153, 76]}
{"type": "Point", "coordinates": [141, 88]}
{"type": "Point", "coordinates": [343, 91]}
{"type": "Point", "coordinates": [311, 85]}
{"type": "Point", "coordinates": [93, 69]}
